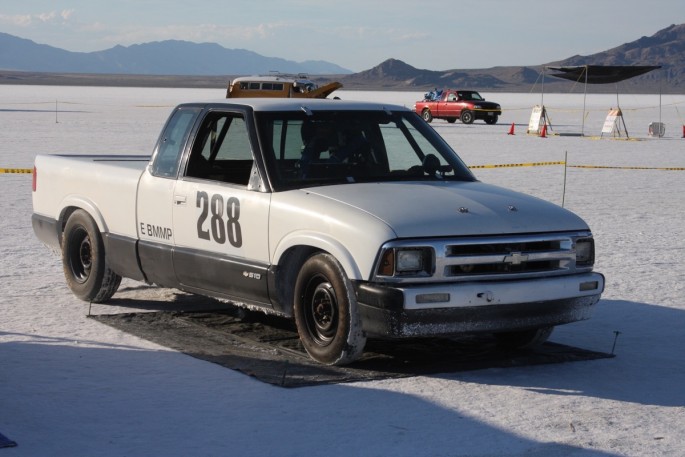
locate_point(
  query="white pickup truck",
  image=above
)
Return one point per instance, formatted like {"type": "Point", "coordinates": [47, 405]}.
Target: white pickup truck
{"type": "Point", "coordinates": [355, 219]}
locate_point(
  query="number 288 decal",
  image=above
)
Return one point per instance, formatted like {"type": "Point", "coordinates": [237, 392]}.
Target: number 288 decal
{"type": "Point", "coordinates": [220, 227]}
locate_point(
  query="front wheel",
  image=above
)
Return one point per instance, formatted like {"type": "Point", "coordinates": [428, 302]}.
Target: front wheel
{"type": "Point", "coordinates": [83, 260]}
{"type": "Point", "coordinates": [426, 115]}
{"type": "Point", "coordinates": [326, 313]}
{"type": "Point", "coordinates": [524, 339]}
{"type": "Point", "coordinates": [467, 117]}
{"type": "Point", "coordinates": [491, 119]}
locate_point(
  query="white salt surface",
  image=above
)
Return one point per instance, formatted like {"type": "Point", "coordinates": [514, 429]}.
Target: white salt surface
{"type": "Point", "coordinates": [70, 386]}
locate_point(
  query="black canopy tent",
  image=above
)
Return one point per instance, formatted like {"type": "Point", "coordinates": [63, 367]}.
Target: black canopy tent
{"type": "Point", "coordinates": [601, 74]}
{"type": "Point", "coordinates": [598, 74]}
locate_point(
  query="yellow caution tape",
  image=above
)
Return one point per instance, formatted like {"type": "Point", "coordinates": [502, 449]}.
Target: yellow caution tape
{"type": "Point", "coordinates": [16, 170]}
{"type": "Point", "coordinates": [629, 168]}
{"type": "Point", "coordinates": [541, 164]}
{"type": "Point", "coordinates": [511, 165]}
{"type": "Point", "coordinates": [505, 165]}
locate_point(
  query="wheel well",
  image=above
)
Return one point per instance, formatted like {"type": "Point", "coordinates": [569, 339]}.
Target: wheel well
{"type": "Point", "coordinates": [63, 218]}
{"type": "Point", "coordinates": [286, 274]}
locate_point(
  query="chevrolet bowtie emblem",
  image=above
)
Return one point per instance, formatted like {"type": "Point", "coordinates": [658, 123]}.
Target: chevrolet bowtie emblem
{"type": "Point", "coordinates": [515, 258]}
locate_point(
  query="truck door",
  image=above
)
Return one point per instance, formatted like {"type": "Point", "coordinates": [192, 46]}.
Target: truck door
{"type": "Point", "coordinates": [155, 198]}
{"type": "Point", "coordinates": [450, 108]}
{"type": "Point", "coordinates": [220, 214]}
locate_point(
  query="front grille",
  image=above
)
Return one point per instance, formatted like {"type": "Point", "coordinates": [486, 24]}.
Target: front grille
{"type": "Point", "coordinates": [497, 257]}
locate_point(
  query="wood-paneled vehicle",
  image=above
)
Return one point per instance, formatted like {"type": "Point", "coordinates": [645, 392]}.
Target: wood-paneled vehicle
{"type": "Point", "coordinates": [465, 105]}
{"type": "Point", "coordinates": [279, 86]}
{"type": "Point", "coordinates": [354, 219]}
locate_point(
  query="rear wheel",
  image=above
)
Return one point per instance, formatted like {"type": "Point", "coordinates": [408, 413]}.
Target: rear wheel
{"type": "Point", "coordinates": [83, 260]}
{"type": "Point", "coordinates": [426, 115]}
{"type": "Point", "coordinates": [326, 313]}
{"type": "Point", "coordinates": [524, 339]}
{"type": "Point", "coordinates": [467, 117]}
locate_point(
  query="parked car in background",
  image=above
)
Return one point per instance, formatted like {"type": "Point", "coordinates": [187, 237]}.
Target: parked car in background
{"type": "Point", "coordinates": [465, 105]}
{"type": "Point", "coordinates": [279, 86]}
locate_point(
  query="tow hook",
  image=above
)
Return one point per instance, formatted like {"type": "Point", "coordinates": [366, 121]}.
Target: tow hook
{"type": "Point", "coordinates": [488, 296]}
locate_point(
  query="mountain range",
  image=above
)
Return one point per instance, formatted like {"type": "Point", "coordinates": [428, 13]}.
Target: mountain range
{"type": "Point", "coordinates": [183, 64]}
{"type": "Point", "coordinates": [170, 57]}
{"type": "Point", "coordinates": [666, 49]}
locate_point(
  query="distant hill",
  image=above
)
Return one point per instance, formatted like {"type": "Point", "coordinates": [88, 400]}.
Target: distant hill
{"type": "Point", "coordinates": [171, 57]}
{"type": "Point", "coordinates": [210, 65]}
{"type": "Point", "coordinates": [665, 48]}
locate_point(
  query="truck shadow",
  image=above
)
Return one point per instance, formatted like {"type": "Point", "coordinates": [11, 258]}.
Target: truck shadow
{"type": "Point", "coordinates": [107, 399]}
{"type": "Point", "coordinates": [648, 369]}
{"type": "Point", "coordinates": [268, 347]}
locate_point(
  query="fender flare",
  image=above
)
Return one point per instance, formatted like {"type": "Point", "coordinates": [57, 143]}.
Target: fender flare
{"type": "Point", "coordinates": [322, 242]}
{"type": "Point", "coordinates": [77, 202]}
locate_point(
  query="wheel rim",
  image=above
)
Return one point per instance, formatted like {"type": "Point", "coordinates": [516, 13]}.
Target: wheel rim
{"type": "Point", "coordinates": [321, 313]}
{"type": "Point", "coordinates": [81, 256]}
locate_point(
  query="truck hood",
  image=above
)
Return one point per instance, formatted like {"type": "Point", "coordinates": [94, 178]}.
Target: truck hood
{"type": "Point", "coordinates": [484, 104]}
{"type": "Point", "coordinates": [443, 208]}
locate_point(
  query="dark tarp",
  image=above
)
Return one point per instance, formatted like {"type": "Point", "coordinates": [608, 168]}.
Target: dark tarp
{"type": "Point", "coordinates": [601, 74]}
{"type": "Point", "coordinates": [268, 348]}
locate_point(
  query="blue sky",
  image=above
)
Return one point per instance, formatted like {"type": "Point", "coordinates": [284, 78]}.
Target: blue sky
{"type": "Point", "coordinates": [355, 34]}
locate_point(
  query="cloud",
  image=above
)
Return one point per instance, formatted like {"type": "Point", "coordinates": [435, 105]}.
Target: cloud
{"type": "Point", "coordinates": [21, 20]}
{"type": "Point", "coordinates": [46, 17]}
{"type": "Point", "coordinates": [26, 20]}
{"type": "Point", "coordinates": [196, 33]}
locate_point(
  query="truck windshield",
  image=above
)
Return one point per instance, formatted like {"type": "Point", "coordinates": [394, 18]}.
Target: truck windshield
{"type": "Point", "coordinates": [470, 95]}
{"type": "Point", "coordinates": [333, 147]}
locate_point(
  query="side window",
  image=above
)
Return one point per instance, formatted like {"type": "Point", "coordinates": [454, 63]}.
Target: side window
{"type": "Point", "coordinates": [407, 149]}
{"type": "Point", "coordinates": [172, 143]}
{"type": "Point", "coordinates": [222, 150]}
{"type": "Point", "coordinates": [287, 139]}
{"type": "Point", "coordinates": [287, 145]}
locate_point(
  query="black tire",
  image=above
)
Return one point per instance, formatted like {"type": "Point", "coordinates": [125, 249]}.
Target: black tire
{"type": "Point", "coordinates": [467, 117]}
{"type": "Point", "coordinates": [326, 313]}
{"type": "Point", "coordinates": [451, 120]}
{"type": "Point", "coordinates": [491, 119]}
{"type": "Point", "coordinates": [83, 260]}
{"type": "Point", "coordinates": [426, 115]}
{"type": "Point", "coordinates": [524, 339]}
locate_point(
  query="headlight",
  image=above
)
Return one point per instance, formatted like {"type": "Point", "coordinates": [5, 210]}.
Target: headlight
{"type": "Point", "coordinates": [476, 106]}
{"type": "Point", "coordinates": [410, 261]}
{"type": "Point", "coordinates": [585, 252]}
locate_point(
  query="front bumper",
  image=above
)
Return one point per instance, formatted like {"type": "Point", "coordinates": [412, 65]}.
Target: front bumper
{"type": "Point", "coordinates": [485, 113]}
{"type": "Point", "coordinates": [411, 311]}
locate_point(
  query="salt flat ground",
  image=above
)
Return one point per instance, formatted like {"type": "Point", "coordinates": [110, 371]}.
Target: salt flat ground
{"type": "Point", "coordinates": [70, 386]}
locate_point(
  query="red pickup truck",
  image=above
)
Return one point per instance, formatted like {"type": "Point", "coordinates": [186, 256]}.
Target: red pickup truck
{"type": "Point", "coordinates": [465, 105]}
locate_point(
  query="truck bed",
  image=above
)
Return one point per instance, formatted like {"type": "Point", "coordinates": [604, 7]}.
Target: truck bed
{"type": "Point", "coordinates": [104, 184]}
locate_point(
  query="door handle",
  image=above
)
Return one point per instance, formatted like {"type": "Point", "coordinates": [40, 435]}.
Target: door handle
{"type": "Point", "coordinates": [179, 199]}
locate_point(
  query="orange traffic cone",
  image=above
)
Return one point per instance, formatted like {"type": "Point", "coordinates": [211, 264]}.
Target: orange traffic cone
{"type": "Point", "coordinates": [511, 130]}
{"type": "Point", "coordinates": [543, 134]}
{"type": "Point", "coordinates": [683, 131]}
